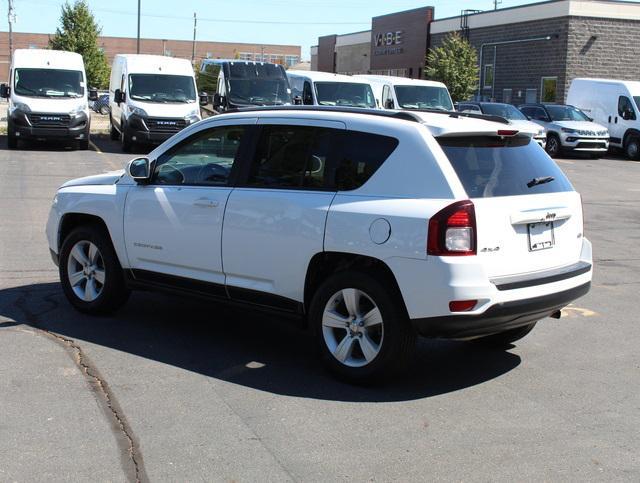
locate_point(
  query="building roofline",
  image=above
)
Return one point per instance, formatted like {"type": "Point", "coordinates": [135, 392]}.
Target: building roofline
{"type": "Point", "coordinates": [404, 11]}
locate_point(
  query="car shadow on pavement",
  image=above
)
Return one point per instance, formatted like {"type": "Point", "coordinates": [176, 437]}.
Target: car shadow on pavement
{"type": "Point", "coordinates": [105, 144]}
{"type": "Point", "coordinates": [244, 347]}
{"type": "Point", "coordinates": [100, 141]}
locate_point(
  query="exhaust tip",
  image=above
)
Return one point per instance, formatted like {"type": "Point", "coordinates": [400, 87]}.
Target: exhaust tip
{"type": "Point", "coordinates": [556, 315]}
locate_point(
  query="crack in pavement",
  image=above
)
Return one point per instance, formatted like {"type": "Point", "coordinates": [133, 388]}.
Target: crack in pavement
{"type": "Point", "coordinates": [131, 457]}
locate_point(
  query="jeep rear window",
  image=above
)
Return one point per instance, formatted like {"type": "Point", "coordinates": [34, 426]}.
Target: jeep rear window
{"type": "Point", "coordinates": [490, 166]}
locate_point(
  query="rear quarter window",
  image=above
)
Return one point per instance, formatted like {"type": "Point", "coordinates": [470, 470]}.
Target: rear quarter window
{"type": "Point", "coordinates": [490, 166]}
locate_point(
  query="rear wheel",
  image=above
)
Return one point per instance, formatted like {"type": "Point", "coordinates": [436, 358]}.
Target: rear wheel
{"type": "Point", "coordinates": [362, 331]}
{"type": "Point", "coordinates": [632, 147]}
{"type": "Point", "coordinates": [553, 145]}
{"type": "Point", "coordinates": [502, 339]}
{"type": "Point", "coordinates": [104, 110]}
{"type": "Point", "coordinates": [90, 273]}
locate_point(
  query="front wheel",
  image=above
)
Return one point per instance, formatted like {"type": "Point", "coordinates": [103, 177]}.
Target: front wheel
{"type": "Point", "coordinates": [632, 148]}
{"type": "Point", "coordinates": [553, 145]}
{"type": "Point", "coordinates": [12, 140]}
{"type": "Point", "coordinates": [362, 331]}
{"type": "Point", "coordinates": [113, 132]}
{"type": "Point", "coordinates": [90, 273]}
{"type": "Point", "coordinates": [503, 339]}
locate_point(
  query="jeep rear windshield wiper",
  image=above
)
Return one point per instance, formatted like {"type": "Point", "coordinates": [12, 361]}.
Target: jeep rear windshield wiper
{"type": "Point", "coordinates": [540, 180]}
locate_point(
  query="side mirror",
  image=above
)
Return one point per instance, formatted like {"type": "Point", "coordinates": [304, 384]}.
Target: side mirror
{"type": "Point", "coordinates": [5, 91]}
{"type": "Point", "coordinates": [217, 100]}
{"type": "Point", "coordinates": [626, 115]}
{"type": "Point", "coordinates": [93, 94]}
{"type": "Point", "coordinates": [118, 96]}
{"type": "Point", "coordinates": [204, 98]}
{"type": "Point", "coordinates": [297, 100]}
{"type": "Point", "coordinates": [139, 169]}
{"type": "Point", "coordinates": [388, 104]}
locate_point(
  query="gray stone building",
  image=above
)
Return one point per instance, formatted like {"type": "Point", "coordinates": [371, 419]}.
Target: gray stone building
{"type": "Point", "coordinates": [528, 53]}
{"type": "Point", "coordinates": [531, 53]}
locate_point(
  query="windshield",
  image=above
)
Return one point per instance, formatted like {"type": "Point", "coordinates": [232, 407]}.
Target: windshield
{"type": "Point", "coordinates": [423, 97]}
{"type": "Point", "coordinates": [162, 88]}
{"type": "Point", "coordinates": [637, 99]}
{"type": "Point", "coordinates": [503, 110]}
{"type": "Point", "coordinates": [345, 94]}
{"type": "Point", "coordinates": [491, 166]}
{"type": "Point", "coordinates": [49, 83]}
{"type": "Point", "coordinates": [258, 84]}
{"type": "Point", "coordinates": [566, 113]}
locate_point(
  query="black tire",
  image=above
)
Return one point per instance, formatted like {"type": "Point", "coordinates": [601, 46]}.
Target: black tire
{"type": "Point", "coordinates": [104, 110]}
{"type": "Point", "coordinates": [113, 293]}
{"type": "Point", "coordinates": [553, 148]}
{"type": "Point", "coordinates": [113, 132]}
{"type": "Point", "coordinates": [504, 339]}
{"type": "Point", "coordinates": [395, 346]}
{"type": "Point", "coordinates": [632, 147]}
{"type": "Point", "coordinates": [12, 140]}
{"type": "Point", "coordinates": [125, 139]}
{"type": "Point", "coordinates": [83, 144]}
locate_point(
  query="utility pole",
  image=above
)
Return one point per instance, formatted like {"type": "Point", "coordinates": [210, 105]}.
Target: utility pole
{"type": "Point", "coordinates": [138, 41]}
{"type": "Point", "coordinates": [193, 47]}
{"type": "Point", "coordinates": [12, 18]}
{"type": "Point", "coordinates": [496, 3]}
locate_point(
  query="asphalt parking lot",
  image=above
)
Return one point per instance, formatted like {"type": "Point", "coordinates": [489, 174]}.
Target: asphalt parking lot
{"type": "Point", "coordinates": [176, 389]}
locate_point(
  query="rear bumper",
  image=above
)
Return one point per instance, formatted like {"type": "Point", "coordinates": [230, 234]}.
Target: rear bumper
{"type": "Point", "coordinates": [498, 317]}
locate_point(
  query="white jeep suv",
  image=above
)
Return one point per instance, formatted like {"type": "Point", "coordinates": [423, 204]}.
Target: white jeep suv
{"type": "Point", "coordinates": [370, 226]}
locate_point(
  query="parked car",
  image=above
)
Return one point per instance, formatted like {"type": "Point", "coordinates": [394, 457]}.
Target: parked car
{"type": "Point", "coordinates": [313, 88]}
{"type": "Point", "coordinates": [568, 129]}
{"type": "Point", "coordinates": [612, 103]}
{"type": "Point", "coordinates": [151, 97]}
{"type": "Point", "coordinates": [369, 226]}
{"type": "Point", "coordinates": [407, 94]}
{"type": "Point", "coordinates": [509, 112]}
{"type": "Point", "coordinates": [47, 97]}
{"type": "Point", "coordinates": [242, 83]}
{"type": "Point", "coordinates": [101, 105]}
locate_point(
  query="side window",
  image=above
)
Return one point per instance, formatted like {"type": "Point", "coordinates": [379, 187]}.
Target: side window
{"type": "Point", "coordinates": [292, 157]}
{"type": "Point", "coordinates": [307, 96]}
{"type": "Point", "coordinates": [359, 156]}
{"type": "Point", "coordinates": [205, 159]}
{"type": "Point", "coordinates": [122, 83]}
{"type": "Point", "coordinates": [625, 106]}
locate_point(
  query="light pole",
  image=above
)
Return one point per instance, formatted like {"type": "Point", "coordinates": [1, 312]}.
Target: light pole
{"type": "Point", "coordinates": [12, 18]}
{"type": "Point", "coordinates": [495, 44]}
{"type": "Point", "coordinates": [193, 46]}
{"type": "Point", "coordinates": [138, 40]}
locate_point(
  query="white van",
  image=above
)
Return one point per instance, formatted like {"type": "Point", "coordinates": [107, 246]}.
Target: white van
{"type": "Point", "coordinates": [614, 104]}
{"type": "Point", "coordinates": [152, 97]}
{"type": "Point", "coordinates": [402, 93]}
{"type": "Point", "coordinates": [47, 94]}
{"type": "Point", "coordinates": [325, 89]}
{"type": "Point", "coordinates": [235, 84]}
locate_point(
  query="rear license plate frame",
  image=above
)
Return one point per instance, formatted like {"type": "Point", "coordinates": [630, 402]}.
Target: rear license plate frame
{"type": "Point", "coordinates": [540, 236]}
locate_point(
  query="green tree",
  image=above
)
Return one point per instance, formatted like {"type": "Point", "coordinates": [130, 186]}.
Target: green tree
{"type": "Point", "coordinates": [78, 32]}
{"type": "Point", "coordinates": [455, 63]}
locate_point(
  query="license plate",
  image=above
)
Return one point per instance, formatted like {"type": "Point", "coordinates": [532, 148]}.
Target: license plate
{"type": "Point", "coordinates": [540, 236]}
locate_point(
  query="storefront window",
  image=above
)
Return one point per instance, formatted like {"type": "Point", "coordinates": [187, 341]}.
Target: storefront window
{"type": "Point", "coordinates": [548, 89]}
{"type": "Point", "coordinates": [507, 95]}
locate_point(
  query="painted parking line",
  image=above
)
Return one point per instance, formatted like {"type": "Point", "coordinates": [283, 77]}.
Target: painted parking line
{"type": "Point", "coordinates": [95, 147]}
{"type": "Point", "coordinates": [572, 311]}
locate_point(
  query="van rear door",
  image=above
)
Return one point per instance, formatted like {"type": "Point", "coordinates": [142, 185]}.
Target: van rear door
{"type": "Point", "coordinates": [528, 216]}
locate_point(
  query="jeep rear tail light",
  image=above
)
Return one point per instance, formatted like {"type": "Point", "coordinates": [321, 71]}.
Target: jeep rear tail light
{"type": "Point", "coordinates": [452, 231]}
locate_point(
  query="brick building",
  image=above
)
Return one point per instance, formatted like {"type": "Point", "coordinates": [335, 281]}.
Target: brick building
{"type": "Point", "coordinates": [526, 54]}
{"type": "Point", "coordinates": [282, 54]}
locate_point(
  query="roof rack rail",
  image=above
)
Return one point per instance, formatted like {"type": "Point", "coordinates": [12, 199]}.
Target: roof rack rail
{"type": "Point", "coordinates": [404, 115]}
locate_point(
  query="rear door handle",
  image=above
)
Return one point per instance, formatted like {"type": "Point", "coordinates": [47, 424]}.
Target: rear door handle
{"type": "Point", "coordinates": [205, 203]}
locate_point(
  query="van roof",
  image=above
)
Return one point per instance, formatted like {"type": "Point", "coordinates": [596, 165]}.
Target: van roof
{"type": "Point", "coordinates": [144, 63]}
{"type": "Point", "coordinates": [631, 85]}
{"type": "Point", "coordinates": [47, 59]}
{"type": "Point", "coordinates": [400, 81]}
{"type": "Point", "coordinates": [317, 76]}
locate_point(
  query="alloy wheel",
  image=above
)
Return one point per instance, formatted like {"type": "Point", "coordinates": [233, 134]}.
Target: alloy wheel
{"type": "Point", "coordinates": [85, 271]}
{"type": "Point", "coordinates": [352, 327]}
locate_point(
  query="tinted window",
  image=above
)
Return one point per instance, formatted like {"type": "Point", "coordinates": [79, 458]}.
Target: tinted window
{"type": "Point", "coordinates": [344, 94]}
{"type": "Point", "coordinates": [468, 108]}
{"type": "Point", "coordinates": [204, 159]}
{"type": "Point", "coordinates": [503, 110]}
{"type": "Point", "coordinates": [359, 155]}
{"type": "Point", "coordinates": [291, 157]}
{"type": "Point", "coordinates": [49, 83]}
{"type": "Point", "coordinates": [489, 166]}
{"type": "Point", "coordinates": [162, 88]}
{"type": "Point", "coordinates": [624, 105]}
{"type": "Point", "coordinates": [423, 97]}
{"type": "Point", "coordinates": [566, 113]}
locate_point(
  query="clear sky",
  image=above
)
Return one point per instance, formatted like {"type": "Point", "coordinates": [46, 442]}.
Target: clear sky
{"type": "Point", "coordinates": [297, 22]}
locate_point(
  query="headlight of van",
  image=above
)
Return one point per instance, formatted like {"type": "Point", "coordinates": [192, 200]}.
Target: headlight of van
{"type": "Point", "coordinates": [19, 106]}
{"type": "Point", "coordinates": [137, 111]}
{"type": "Point", "coordinates": [192, 117]}
{"type": "Point", "coordinates": [78, 110]}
